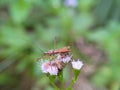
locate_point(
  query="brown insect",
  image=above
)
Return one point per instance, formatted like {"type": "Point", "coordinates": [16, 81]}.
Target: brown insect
{"type": "Point", "coordinates": [63, 50]}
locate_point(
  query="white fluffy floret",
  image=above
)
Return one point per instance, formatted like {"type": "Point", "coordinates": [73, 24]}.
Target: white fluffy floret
{"type": "Point", "coordinates": [77, 64]}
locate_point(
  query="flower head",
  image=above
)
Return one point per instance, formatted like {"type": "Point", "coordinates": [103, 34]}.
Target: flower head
{"type": "Point", "coordinates": [45, 66]}
{"type": "Point", "coordinates": [59, 64]}
{"type": "Point", "coordinates": [77, 64]}
{"type": "Point", "coordinates": [48, 67]}
{"type": "Point", "coordinates": [66, 59]}
{"type": "Point", "coordinates": [53, 70]}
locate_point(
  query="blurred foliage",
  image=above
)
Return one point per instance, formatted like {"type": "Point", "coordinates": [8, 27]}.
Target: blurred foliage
{"type": "Point", "coordinates": [29, 27]}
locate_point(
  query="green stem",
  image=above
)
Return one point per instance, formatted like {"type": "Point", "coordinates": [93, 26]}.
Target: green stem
{"type": "Point", "coordinates": [70, 87]}
{"type": "Point", "coordinates": [56, 88]}
{"type": "Point", "coordinates": [76, 74]}
{"type": "Point", "coordinates": [61, 79]}
{"type": "Point", "coordinates": [71, 84]}
{"type": "Point", "coordinates": [52, 79]}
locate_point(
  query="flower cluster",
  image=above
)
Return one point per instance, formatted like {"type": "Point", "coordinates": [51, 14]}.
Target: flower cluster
{"type": "Point", "coordinates": [58, 63]}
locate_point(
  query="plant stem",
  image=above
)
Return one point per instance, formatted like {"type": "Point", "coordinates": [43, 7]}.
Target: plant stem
{"type": "Point", "coordinates": [61, 79]}
{"type": "Point", "coordinates": [52, 79]}
{"type": "Point", "coordinates": [71, 84]}
{"type": "Point", "coordinates": [56, 88]}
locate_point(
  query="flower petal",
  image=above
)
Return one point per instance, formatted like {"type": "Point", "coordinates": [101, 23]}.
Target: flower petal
{"type": "Point", "coordinates": [77, 64]}
{"type": "Point", "coordinates": [53, 70]}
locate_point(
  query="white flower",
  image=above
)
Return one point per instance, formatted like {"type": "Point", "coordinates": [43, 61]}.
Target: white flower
{"type": "Point", "coordinates": [53, 70]}
{"type": "Point", "coordinates": [77, 64]}
{"type": "Point", "coordinates": [66, 59]}
{"type": "Point", "coordinates": [47, 67]}
{"type": "Point", "coordinates": [70, 3]}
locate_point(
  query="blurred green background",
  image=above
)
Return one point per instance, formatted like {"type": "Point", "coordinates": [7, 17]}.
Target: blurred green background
{"type": "Point", "coordinates": [90, 27]}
